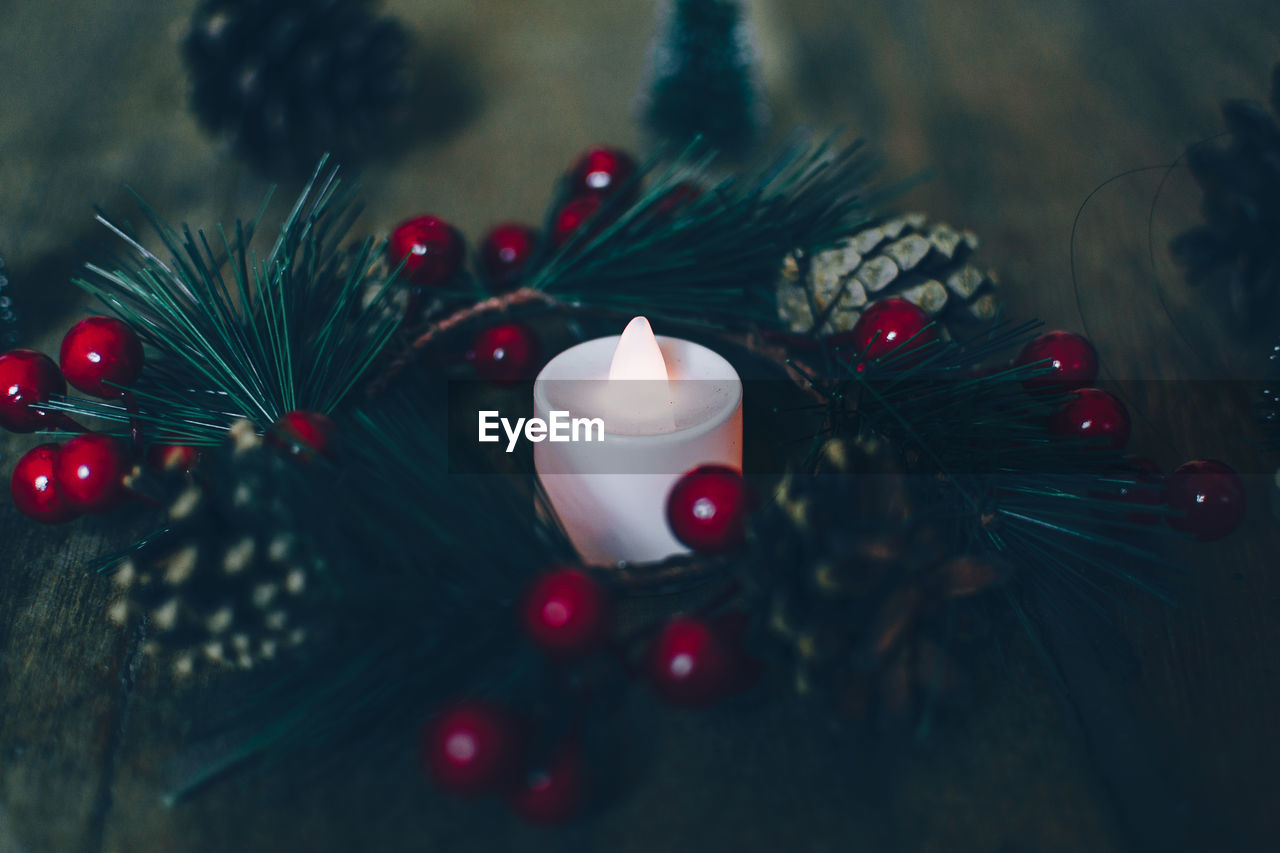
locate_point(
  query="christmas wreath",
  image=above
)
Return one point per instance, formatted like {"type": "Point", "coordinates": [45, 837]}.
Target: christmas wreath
{"type": "Point", "coordinates": [276, 419]}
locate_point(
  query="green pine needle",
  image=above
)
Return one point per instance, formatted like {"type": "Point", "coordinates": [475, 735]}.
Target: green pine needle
{"type": "Point", "coordinates": [231, 334]}
{"type": "Point", "coordinates": [715, 256]}
{"type": "Point", "coordinates": [1051, 507]}
{"type": "Point", "coordinates": [423, 568]}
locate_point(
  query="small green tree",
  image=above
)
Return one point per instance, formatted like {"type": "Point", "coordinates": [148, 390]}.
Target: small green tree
{"type": "Point", "coordinates": [702, 76]}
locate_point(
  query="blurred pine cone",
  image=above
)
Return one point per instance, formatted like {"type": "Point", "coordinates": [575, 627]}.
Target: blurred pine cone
{"type": "Point", "coordinates": [1237, 249]}
{"type": "Point", "coordinates": [289, 80]}
{"type": "Point", "coordinates": [905, 257]}
{"type": "Point", "coordinates": [229, 581]}
{"type": "Point", "coordinates": [865, 600]}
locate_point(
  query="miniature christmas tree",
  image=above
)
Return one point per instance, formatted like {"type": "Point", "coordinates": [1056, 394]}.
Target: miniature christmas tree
{"type": "Point", "coordinates": [702, 77]}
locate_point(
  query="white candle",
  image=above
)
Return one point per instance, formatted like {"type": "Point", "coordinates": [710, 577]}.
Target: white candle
{"type": "Point", "coordinates": [668, 406]}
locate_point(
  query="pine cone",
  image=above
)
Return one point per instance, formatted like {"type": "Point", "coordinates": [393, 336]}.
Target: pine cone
{"type": "Point", "coordinates": [288, 80]}
{"type": "Point", "coordinates": [861, 611]}
{"type": "Point", "coordinates": [228, 582]}
{"type": "Point", "coordinates": [8, 317]}
{"type": "Point", "coordinates": [905, 257]}
{"type": "Point", "coordinates": [1238, 247]}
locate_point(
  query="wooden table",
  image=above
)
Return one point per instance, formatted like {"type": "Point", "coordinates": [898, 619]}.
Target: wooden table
{"type": "Point", "coordinates": [1020, 109]}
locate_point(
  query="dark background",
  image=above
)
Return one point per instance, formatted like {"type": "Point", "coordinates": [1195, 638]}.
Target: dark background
{"type": "Point", "coordinates": [1019, 108]}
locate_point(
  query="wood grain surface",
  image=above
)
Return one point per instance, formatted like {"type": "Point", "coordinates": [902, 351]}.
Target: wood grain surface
{"type": "Point", "coordinates": [1019, 109]}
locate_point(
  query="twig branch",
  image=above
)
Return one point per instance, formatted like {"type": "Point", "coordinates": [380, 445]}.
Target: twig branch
{"type": "Point", "coordinates": [410, 354]}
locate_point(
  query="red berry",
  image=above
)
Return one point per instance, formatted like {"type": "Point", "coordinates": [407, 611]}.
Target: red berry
{"type": "Point", "coordinates": [690, 663]}
{"type": "Point", "coordinates": [471, 749]}
{"type": "Point", "coordinates": [707, 509]}
{"type": "Point", "coordinates": [35, 488]}
{"type": "Point", "coordinates": [90, 472]}
{"type": "Point", "coordinates": [27, 378]}
{"type": "Point", "coordinates": [1092, 414]}
{"type": "Point", "coordinates": [890, 327]}
{"type": "Point", "coordinates": [172, 457]}
{"type": "Point", "coordinates": [601, 171]}
{"type": "Point", "coordinates": [430, 248]}
{"type": "Point", "coordinates": [572, 217]}
{"type": "Point", "coordinates": [505, 252]}
{"type": "Point", "coordinates": [1210, 495]}
{"type": "Point", "coordinates": [505, 353]}
{"type": "Point", "coordinates": [98, 351]}
{"type": "Point", "coordinates": [305, 434]}
{"type": "Point", "coordinates": [1071, 361]}
{"type": "Point", "coordinates": [552, 791]}
{"type": "Point", "coordinates": [566, 613]}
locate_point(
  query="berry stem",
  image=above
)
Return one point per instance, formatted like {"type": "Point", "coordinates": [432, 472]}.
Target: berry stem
{"type": "Point", "coordinates": [729, 593]}
{"type": "Point", "coordinates": [622, 645]}
{"type": "Point", "coordinates": [135, 425]}
{"type": "Point", "coordinates": [523, 296]}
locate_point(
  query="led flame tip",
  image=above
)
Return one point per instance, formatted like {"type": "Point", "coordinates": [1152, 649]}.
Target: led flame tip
{"type": "Point", "coordinates": [638, 355]}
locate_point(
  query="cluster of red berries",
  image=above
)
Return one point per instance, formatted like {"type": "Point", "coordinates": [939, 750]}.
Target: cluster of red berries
{"type": "Point", "coordinates": [102, 356]}
{"type": "Point", "coordinates": [1207, 495]}
{"type": "Point", "coordinates": [55, 482]}
{"type": "Point", "coordinates": [598, 175]}
{"type": "Point", "coordinates": [692, 661]}
{"type": "Point", "coordinates": [479, 747]}
{"type": "Point", "coordinates": [430, 253]}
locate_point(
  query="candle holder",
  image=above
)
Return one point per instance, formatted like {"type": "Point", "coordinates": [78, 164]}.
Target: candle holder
{"type": "Point", "coordinates": [674, 576]}
{"type": "Point", "coordinates": [610, 494]}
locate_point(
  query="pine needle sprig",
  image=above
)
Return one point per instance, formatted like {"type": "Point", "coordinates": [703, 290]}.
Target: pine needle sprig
{"type": "Point", "coordinates": [1049, 506]}
{"type": "Point", "coordinates": [715, 256]}
{"type": "Point", "coordinates": [480, 529]}
{"type": "Point", "coordinates": [231, 334]}
{"type": "Point", "coordinates": [420, 589]}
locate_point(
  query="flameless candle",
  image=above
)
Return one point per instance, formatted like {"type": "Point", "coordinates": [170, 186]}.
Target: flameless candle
{"type": "Point", "coordinates": [668, 406]}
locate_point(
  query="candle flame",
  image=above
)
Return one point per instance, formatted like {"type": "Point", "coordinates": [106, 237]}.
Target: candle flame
{"type": "Point", "coordinates": [642, 407]}
{"type": "Point", "coordinates": [637, 355]}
